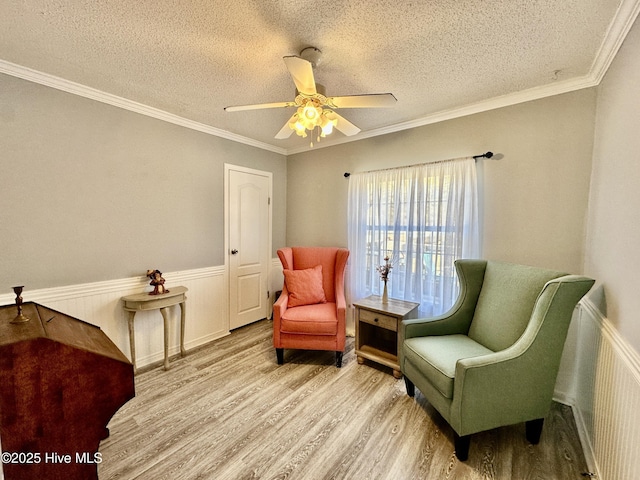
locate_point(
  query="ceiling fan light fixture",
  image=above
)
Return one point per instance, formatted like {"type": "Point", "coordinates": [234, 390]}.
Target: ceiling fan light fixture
{"type": "Point", "coordinates": [298, 127]}
{"type": "Point", "coordinates": [327, 123]}
{"type": "Point", "coordinates": [308, 116]}
{"type": "Point", "coordinates": [312, 113]}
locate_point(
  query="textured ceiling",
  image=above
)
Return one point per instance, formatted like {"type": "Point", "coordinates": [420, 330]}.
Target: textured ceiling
{"type": "Point", "coordinates": [191, 58]}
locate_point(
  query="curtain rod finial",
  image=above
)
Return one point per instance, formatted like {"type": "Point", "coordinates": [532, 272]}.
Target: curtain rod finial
{"type": "Point", "coordinates": [347, 174]}
{"type": "Point", "coordinates": [484, 155]}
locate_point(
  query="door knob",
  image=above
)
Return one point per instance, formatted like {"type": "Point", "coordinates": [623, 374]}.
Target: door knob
{"type": "Point", "coordinates": [234, 251]}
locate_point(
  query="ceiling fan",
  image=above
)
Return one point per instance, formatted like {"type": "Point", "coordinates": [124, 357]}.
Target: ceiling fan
{"type": "Point", "coordinates": [313, 108]}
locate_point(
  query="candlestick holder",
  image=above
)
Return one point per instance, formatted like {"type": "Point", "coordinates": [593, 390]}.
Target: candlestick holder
{"type": "Point", "coordinates": [20, 318]}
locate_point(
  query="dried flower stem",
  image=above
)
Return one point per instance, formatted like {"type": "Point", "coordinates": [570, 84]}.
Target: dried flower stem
{"type": "Point", "coordinates": [385, 269]}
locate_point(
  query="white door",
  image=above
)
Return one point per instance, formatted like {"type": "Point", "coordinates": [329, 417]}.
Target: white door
{"type": "Point", "coordinates": [248, 243]}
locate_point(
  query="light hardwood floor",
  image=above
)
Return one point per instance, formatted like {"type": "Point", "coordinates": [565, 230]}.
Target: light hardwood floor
{"type": "Point", "coordinates": [229, 412]}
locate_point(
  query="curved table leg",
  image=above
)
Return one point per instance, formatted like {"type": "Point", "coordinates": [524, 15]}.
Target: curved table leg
{"type": "Point", "coordinates": [165, 316]}
{"type": "Point", "coordinates": [132, 340]}
{"type": "Point", "coordinates": [183, 306]}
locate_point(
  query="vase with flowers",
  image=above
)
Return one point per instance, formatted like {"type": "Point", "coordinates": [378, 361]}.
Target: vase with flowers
{"type": "Point", "coordinates": [384, 270]}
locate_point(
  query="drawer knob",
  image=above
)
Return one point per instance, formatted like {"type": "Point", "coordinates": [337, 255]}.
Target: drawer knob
{"type": "Point", "coordinates": [375, 319]}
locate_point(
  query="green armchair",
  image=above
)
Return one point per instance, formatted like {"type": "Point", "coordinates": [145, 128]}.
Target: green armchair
{"type": "Point", "coordinates": [493, 359]}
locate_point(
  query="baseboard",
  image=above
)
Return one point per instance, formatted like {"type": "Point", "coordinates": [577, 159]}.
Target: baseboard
{"type": "Point", "coordinates": [204, 340]}
{"type": "Point", "coordinates": [585, 441]}
{"type": "Point", "coordinates": [158, 357]}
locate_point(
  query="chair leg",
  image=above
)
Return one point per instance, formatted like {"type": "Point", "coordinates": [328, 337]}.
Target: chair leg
{"type": "Point", "coordinates": [280, 355]}
{"type": "Point", "coordinates": [339, 359]}
{"type": "Point", "coordinates": [461, 445]}
{"type": "Point", "coordinates": [411, 388]}
{"type": "Point", "coordinates": [533, 430]}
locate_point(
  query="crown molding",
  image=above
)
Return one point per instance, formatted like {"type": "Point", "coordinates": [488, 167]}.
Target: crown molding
{"type": "Point", "coordinates": [618, 29]}
{"type": "Point", "coordinates": [624, 19]}
{"type": "Point", "coordinates": [523, 96]}
{"type": "Point", "coordinates": [84, 91]}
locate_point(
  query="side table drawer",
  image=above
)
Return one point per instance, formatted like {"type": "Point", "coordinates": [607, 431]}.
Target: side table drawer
{"type": "Point", "coordinates": [379, 319]}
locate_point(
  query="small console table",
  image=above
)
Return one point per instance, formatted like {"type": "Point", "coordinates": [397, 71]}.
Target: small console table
{"type": "Point", "coordinates": [377, 329]}
{"type": "Point", "coordinates": [144, 301]}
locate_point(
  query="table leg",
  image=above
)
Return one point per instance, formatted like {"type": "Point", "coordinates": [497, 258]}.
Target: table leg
{"type": "Point", "coordinates": [183, 306]}
{"type": "Point", "coordinates": [165, 316]}
{"type": "Point", "coordinates": [132, 340]}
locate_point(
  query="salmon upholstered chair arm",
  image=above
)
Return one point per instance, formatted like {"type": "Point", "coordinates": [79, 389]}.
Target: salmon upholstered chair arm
{"type": "Point", "coordinates": [341, 303]}
{"type": "Point", "coordinates": [280, 306]}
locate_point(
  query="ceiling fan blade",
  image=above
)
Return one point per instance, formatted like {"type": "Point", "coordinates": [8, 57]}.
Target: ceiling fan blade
{"type": "Point", "coordinates": [285, 132]}
{"type": "Point", "coordinates": [374, 100]}
{"type": "Point", "coordinates": [259, 106]}
{"type": "Point", "coordinates": [301, 72]}
{"type": "Point", "coordinates": [344, 125]}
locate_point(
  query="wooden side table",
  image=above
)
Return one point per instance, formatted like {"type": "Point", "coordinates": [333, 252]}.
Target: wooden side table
{"type": "Point", "coordinates": [377, 329]}
{"type": "Point", "coordinates": [144, 301]}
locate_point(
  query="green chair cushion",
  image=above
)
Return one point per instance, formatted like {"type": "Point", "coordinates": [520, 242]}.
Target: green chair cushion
{"type": "Point", "coordinates": [436, 357]}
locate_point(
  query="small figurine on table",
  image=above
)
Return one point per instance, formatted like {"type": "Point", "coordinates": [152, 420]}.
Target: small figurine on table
{"type": "Point", "coordinates": [157, 282]}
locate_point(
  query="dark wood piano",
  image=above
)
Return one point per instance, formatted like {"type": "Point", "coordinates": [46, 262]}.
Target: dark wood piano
{"type": "Point", "coordinates": [61, 381]}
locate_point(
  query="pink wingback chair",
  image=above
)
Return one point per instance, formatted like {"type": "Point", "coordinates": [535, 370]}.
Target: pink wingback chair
{"type": "Point", "coordinates": [319, 325]}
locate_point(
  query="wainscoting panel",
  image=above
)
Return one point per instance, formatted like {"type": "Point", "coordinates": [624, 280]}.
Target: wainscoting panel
{"type": "Point", "coordinates": [607, 397]}
{"type": "Point", "coordinates": [100, 304]}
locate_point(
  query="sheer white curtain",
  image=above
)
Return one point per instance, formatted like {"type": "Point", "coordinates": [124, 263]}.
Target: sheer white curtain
{"type": "Point", "coordinates": [423, 217]}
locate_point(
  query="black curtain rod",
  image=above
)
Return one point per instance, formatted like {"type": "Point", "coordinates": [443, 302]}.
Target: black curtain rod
{"type": "Point", "coordinates": [475, 157]}
{"type": "Point", "coordinates": [484, 155]}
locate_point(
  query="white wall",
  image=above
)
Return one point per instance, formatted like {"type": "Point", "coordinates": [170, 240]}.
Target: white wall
{"type": "Point", "coordinates": [613, 234]}
{"type": "Point", "coordinates": [534, 197]}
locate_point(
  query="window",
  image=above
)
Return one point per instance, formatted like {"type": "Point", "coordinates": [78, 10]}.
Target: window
{"type": "Point", "coordinates": [423, 217]}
